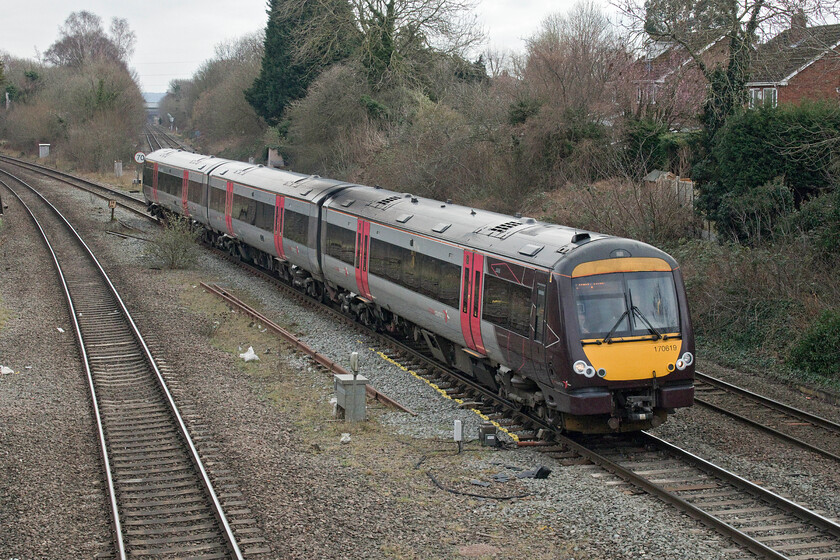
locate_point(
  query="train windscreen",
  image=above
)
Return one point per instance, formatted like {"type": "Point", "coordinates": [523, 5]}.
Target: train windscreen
{"type": "Point", "coordinates": [628, 304]}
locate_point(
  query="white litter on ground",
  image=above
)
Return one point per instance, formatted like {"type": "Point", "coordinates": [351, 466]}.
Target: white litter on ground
{"type": "Point", "coordinates": [345, 438]}
{"type": "Point", "coordinates": [249, 355]}
{"type": "Point", "coordinates": [6, 371]}
{"type": "Point", "coordinates": [60, 329]}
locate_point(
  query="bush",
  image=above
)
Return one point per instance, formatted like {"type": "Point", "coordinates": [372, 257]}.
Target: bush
{"type": "Point", "coordinates": [755, 215]}
{"type": "Point", "coordinates": [648, 212]}
{"type": "Point", "coordinates": [793, 145]}
{"type": "Point", "coordinates": [818, 349]}
{"type": "Point", "coordinates": [175, 246]}
{"type": "Point", "coordinates": [819, 220]}
{"type": "Point", "coordinates": [91, 115]}
{"type": "Point", "coordinates": [329, 132]}
{"type": "Point", "coordinates": [752, 300]}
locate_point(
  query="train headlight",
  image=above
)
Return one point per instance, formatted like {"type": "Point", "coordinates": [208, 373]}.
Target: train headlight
{"type": "Point", "coordinates": [688, 358]}
{"type": "Point", "coordinates": [681, 365]}
{"type": "Point", "coordinates": [589, 371]}
{"type": "Point", "coordinates": [602, 372]}
{"type": "Point", "coordinates": [580, 367]}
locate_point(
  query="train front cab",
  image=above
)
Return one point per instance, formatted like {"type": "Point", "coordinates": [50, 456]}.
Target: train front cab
{"type": "Point", "coordinates": [630, 345]}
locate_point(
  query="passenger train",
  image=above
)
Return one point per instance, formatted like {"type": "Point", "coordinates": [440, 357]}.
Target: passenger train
{"type": "Point", "coordinates": [590, 332]}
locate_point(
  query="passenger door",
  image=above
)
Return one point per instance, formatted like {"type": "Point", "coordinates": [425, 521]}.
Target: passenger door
{"type": "Point", "coordinates": [362, 257]}
{"type": "Point", "coordinates": [155, 184]}
{"type": "Point", "coordinates": [185, 185]}
{"type": "Point", "coordinates": [279, 207]}
{"type": "Point", "coordinates": [229, 207]}
{"type": "Point", "coordinates": [471, 291]}
{"type": "Point", "coordinates": [538, 325]}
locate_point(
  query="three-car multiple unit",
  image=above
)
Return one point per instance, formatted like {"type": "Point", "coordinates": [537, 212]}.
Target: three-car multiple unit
{"type": "Point", "coordinates": [591, 332]}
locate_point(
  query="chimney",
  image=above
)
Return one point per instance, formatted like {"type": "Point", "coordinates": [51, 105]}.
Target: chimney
{"type": "Point", "coordinates": [798, 25]}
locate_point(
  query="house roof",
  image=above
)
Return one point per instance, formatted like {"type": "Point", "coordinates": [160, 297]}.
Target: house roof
{"type": "Point", "coordinates": [669, 56]}
{"type": "Point", "coordinates": [791, 51]}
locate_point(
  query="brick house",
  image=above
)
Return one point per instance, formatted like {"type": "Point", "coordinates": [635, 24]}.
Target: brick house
{"type": "Point", "coordinates": [668, 83]}
{"type": "Point", "coordinates": [797, 64]}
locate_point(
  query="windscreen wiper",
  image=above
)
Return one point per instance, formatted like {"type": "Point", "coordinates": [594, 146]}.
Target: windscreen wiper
{"type": "Point", "coordinates": [608, 338]}
{"type": "Point", "coordinates": [650, 327]}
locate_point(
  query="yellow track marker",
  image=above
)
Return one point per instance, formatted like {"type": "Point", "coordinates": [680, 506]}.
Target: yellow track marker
{"type": "Point", "coordinates": [477, 412]}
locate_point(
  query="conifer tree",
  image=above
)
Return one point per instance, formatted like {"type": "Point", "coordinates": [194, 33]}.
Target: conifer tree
{"type": "Point", "coordinates": [290, 62]}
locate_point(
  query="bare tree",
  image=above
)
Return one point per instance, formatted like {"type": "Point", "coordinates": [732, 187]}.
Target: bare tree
{"type": "Point", "coordinates": [573, 59]}
{"type": "Point", "coordinates": [392, 33]}
{"type": "Point", "coordinates": [83, 40]}
{"type": "Point", "coordinates": [123, 38]}
{"type": "Point", "coordinates": [498, 63]}
{"type": "Point", "coordinates": [246, 49]}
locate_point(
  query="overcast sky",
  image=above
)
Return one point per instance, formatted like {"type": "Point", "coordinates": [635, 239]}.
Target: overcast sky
{"type": "Point", "coordinates": [175, 37]}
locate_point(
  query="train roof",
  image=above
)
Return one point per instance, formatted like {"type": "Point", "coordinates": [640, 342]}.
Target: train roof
{"type": "Point", "coordinates": [286, 183]}
{"type": "Point", "coordinates": [185, 160]}
{"type": "Point", "coordinates": [522, 239]}
{"type": "Point", "coordinates": [276, 181]}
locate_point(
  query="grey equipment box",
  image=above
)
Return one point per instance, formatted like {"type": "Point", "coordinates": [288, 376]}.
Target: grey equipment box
{"type": "Point", "coordinates": [350, 394]}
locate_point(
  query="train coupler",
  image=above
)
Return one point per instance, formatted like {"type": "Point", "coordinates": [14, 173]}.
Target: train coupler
{"type": "Point", "coordinates": [639, 408]}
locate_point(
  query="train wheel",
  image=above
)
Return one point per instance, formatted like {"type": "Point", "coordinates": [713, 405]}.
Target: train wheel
{"type": "Point", "coordinates": [365, 317]}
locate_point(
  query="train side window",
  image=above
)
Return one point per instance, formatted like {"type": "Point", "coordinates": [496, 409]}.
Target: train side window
{"type": "Point", "coordinates": [340, 243]}
{"type": "Point", "coordinates": [384, 260]}
{"type": "Point", "coordinates": [242, 209]}
{"type": "Point", "coordinates": [295, 226]}
{"type": "Point", "coordinates": [217, 199]}
{"type": "Point", "coordinates": [148, 174]}
{"type": "Point", "coordinates": [520, 309]}
{"type": "Point", "coordinates": [348, 248]}
{"type": "Point", "coordinates": [358, 253]}
{"type": "Point", "coordinates": [435, 278]}
{"type": "Point", "coordinates": [251, 214]}
{"type": "Point", "coordinates": [174, 185]}
{"type": "Point", "coordinates": [170, 184]}
{"type": "Point", "coordinates": [465, 305]}
{"type": "Point", "coordinates": [395, 258]}
{"type": "Point", "coordinates": [450, 274]}
{"type": "Point", "coordinates": [539, 313]}
{"type": "Point", "coordinates": [410, 272]}
{"type": "Point", "coordinates": [163, 181]}
{"type": "Point", "coordinates": [195, 192]}
{"type": "Point", "coordinates": [476, 290]}
{"type": "Point", "coordinates": [507, 305]}
{"type": "Point", "coordinates": [265, 217]}
{"type": "Point", "coordinates": [378, 257]}
{"type": "Point", "coordinates": [429, 276]}
{"type": "Point", "coordinates": [496, 301]}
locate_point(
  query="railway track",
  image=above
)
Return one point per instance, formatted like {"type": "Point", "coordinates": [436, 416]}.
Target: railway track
{"type": "Point", "coordinates": [133, 204]}
{"type": "Point", "coordinates": [157, 138]}
{"type": "Point", "coordinates": [759, 520]}
{"type": "Point", "coordinates": [161, 498]}
{"type": "Point", "coordinates": [151, 140]}
{"type": "Point", "coordinates": [784, 422]}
